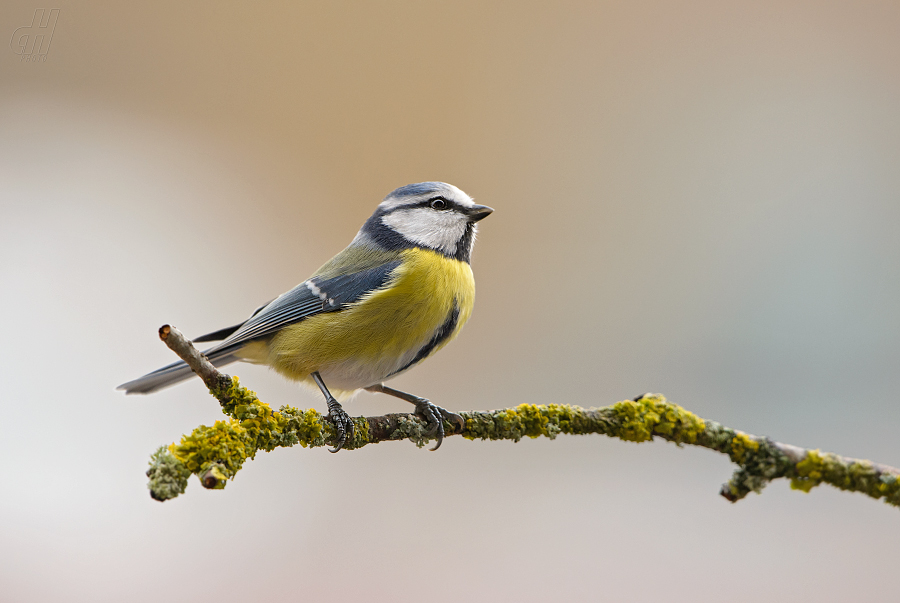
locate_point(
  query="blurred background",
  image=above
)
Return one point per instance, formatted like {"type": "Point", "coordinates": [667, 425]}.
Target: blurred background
{"type": "Point", "coordinates": [695, 198]}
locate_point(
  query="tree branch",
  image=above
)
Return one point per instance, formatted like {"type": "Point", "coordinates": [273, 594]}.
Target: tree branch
{"type": "Point", "coordinates": [216, 453]}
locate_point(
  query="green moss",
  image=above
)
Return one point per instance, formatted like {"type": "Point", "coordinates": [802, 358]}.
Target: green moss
{"type": "Point", "coordinates": [639, 420]}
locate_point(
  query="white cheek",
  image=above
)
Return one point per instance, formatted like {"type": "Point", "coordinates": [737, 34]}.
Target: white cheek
{"type": "Point", "coordinates": [437, 229]}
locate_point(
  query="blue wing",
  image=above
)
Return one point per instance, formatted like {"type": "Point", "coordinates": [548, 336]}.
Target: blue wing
{"type": "Point", "coordinates": [309, 298]}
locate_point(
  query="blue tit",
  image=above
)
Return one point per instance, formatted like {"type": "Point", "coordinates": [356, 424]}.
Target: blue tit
{"type": "Point", "coordinates": [398, 293]}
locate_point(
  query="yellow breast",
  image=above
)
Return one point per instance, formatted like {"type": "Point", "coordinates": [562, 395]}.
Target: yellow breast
{"type": "Point", "coordinates": [379, 334]}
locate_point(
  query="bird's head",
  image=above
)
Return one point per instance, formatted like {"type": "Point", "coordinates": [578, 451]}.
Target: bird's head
{"type": "Point", "coordinates": [433, 215]}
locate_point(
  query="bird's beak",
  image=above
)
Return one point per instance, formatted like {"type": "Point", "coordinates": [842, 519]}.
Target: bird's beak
{"type": "Point", "coordinates": [478, 212]}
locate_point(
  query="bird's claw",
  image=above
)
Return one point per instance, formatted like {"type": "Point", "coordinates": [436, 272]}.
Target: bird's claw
{"type": "Point", "coordinates": [434, 416]}
{"type": "Point", "coordinates": [343, 424]}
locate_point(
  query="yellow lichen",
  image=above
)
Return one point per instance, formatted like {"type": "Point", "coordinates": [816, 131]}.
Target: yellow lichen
{"type": "Point", "coordinates": [225, 442]}
{"type": "Point", "coordinates": [221, 449]}
{"type": "Point", "coordinates": [531, 420]}
{"type": "Point", "coordinates": [742, 446]}
{"type": "Point", "coordinates": [252, 425]}
{"type": "Point", "coordinates": [652, 414]}
{"type": "Point", "coordinates": [809, 472]}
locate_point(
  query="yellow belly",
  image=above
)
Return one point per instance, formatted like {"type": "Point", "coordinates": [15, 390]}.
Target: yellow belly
{"type": "Point", "coordinates": [378, 335]}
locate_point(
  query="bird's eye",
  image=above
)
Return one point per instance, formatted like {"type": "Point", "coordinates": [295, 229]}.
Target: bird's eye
{"type": "Point", "coordinates": [438, 203]}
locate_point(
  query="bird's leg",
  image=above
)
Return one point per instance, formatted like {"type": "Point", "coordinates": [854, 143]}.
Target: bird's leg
{"type": "Point", "coordinates": [342, 421]}
{"type": "Point", "coordinates": [432, 413]}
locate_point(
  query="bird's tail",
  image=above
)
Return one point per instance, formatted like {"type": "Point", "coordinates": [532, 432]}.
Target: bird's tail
{"type": "Point", "coordinates": [176, 372]}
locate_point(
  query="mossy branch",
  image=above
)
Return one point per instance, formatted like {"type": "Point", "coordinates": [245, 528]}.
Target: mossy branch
{"type": "Point", "coordinates": [216, 453]}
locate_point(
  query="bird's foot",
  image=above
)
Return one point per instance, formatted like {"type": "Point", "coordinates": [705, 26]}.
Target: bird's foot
{"type": "Point", "coordinates": [343, 424]}
{"type": "Point", "coordinates": [434, 415]}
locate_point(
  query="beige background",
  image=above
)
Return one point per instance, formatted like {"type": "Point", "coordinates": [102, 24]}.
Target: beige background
{"type": "Point", "coordinates": [696, 198]}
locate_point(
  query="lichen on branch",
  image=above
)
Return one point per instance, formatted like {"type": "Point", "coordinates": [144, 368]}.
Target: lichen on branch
{"type": "Point", "coordinates": [216, 453]}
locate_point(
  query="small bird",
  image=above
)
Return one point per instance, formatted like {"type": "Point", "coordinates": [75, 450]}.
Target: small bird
{"type": "Point", "coordinates": [398, 293]}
